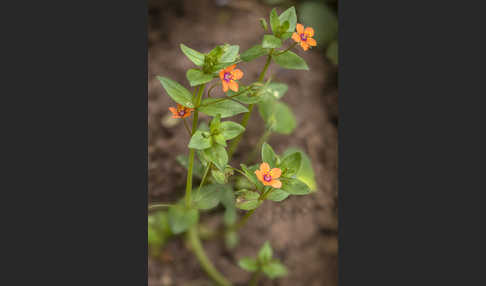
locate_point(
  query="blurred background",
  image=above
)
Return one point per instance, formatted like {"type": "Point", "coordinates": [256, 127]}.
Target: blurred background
{"type": "Point", "coordinates": [303, 229]}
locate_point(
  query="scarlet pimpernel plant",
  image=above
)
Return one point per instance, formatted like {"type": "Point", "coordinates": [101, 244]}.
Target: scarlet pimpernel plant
{"type": "Point", "coordinates": [273, 177]}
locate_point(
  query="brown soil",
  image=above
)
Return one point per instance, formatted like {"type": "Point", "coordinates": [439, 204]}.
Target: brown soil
{"type": "Point", "coordinates": [302, 229]}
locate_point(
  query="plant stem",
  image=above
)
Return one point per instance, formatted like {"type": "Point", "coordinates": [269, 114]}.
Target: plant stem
{"type": "Point", "coordinates": [206, 264]}
{"type": "Point", "coordinates": [246, 117]}
{"type": "Point", "coordinates": [187, 127]}
{"type": "Point", "coordinates": [192, 151]}
{"type": "Point", "coordinates": [204, 176]}
{"type": "Point", "coordinates": [243, 221]}
{"type": "Point", "coordinates": [289, 48]}
{"type": "Point", "coordinates": [158, 205]}
{"type": "Point", "coordinates": [254, 278]}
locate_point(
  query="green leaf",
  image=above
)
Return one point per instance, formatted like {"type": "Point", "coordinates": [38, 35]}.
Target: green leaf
{"type": "Point", "coordinates": [247, 200]}
{"type": "Point", "coordinates": [231, 239]}
{"type": "Point", "coordinates": [249, 264]}
{"type": "Point", "coordinates": [200, 140]}
{"type": "Point", "coordinates": [207, 197]}
{"type": "Point", "coordinates": [306, 172]}
{"type": "Point", "coordinates": [176, 91]}
{"type": "Point", "coordinates": [217, 154]}
{"type": "Point", "coordinates": [230, 54]}
{"type": "Point", "coordinates": [269, 156]}
{"type": "Point", "coordinates": [270, 41]}
{"type": "Point", "coordinates": [264, 24]}
{"type": "Point", "coordinates": [277, 195]}
{"type": "Point", "coordinates": [332, 52]}
{"type": "Point", "coordinates": [274, 21]}
{"type": "Point", "coordinates": [253, 53]}
{"type": "Point", "coordinates": [290, 16]}
{"type": "Point", "coordinates": [249, 96]}
{"type": "Point", "coordinates": [215, 124]}
{"type": "Point", "coordinates": [218, 176]}
{"type": "Point", "coordinates": [196, 57]}
{"type": "Point", "coordinates": [219, 139]}
{"type": "Point", "coordinates": [278, 116]}
{"type": "Point", "coordinates": [276, 90]}
{"type": "Point", "coordinates": [230, 129]}
{"type": "Point", "coordinates": [197, 169]}
{"type": "Point", "coordinates": [180, 218]}
{"type": "Point", "coordinates": [197, 77]}
{"type": "Point", "coordinates": [225, 108]}
{"type": "Point", "coordinates": [294, 186]}
{"type": "Point", "coordinates": [251, 175]}
{"type": "Point", "coordinates": [290, 164]}
{"type": "Point", "coordinates": [265, 253]}
{"type": "Point", "coordinates": [158, 230]}
{"type": "Point", "coordinates": [290, 60]}
{"type": "Point", "coordinates": [275, 269]}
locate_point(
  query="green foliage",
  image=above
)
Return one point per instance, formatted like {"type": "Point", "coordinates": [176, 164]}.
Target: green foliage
{"type": "Point", "coordinates": [176, 91]}
{"type": "Point", "coordinates": [264, 263]}
{"type": "Point", "coordinates": [269, 156]}
{"type": "Point", "coordinates": [277, 115]}
{"type": "Point", "coordinates": [196, 57]}
{"type": "Point", "coordinates": [265, 253]}
{"type": "Point", "coordinates": [220, 57]}
{"type": "Point", "coordinates": [247, 95]}
{"type": "Point", "coordinates": [249, 264]}
{"type": "Point", "coordinates": [270, 41]}
{"type": "Point", "coordinates": [230, 129]}
{"type": "Point", "coordinates": [275, 90]}
{"type": "Point", "coordinates": [158, 231]}
{"type": "Point", "coordinates": [274, 21]}
{"type": "Point", "coordinates": [254, 52]}
{"type": "Point", "coordinates": [291, 16]}
{"type": "Point", "coordinates": [247, 200]}
{"type": "Point", "coordinates": [181, 218]}
{"type": "Point", "coordinates": [200, 140]}
{"type": "Point", "coordinates": [290, 164]}
{"type": "Point", "coordinates": [197, 77]}
{"type": "Point", "coordinates": [198, 169]}
{"type": "Point", "coordinates": [264, 24]}
{"type": "Point", "coordinates": [217, 155]}
{"type": "Point", "coordinates": [207, 197]}
{"type": "Point", "coordinates": [218, 176]}
{"type": "Point", "coordinates": [306, 172]}
{"type": "Point", "coordinates": [290, 60]}
{"type": "Point", "coordinates": [277, 195]}
{"type": "Point", "coordinates": [274, 269]}
{"type": "Point", "coordinates": [231, 239]}
{"type": "Point", "coordinates": [294, 186]}
{"type": "Point", "coordinates": [226, 108]}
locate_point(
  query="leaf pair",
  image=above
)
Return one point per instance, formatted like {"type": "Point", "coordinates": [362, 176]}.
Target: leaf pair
{"type": "Point", "coordinates": [264, 263]}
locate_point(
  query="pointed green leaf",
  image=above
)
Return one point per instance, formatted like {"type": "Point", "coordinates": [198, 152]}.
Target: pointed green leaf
{"type": "Point", "coordinates": [269, 156]}
{"type": "Point", "coordinates": [230, 54]}
{"type": "Point", "coordinates": [294, 186]}
{"type": "Point", "coordinates": [290, 16]}
{"type": "Point", "coordinates": [275, 269]}
{"type": "Point", "coordinates": [265, 253]}
{"type": "Point", "coordinates": [219, 139]}
{"type": "Point", "coordinates": [248, 96]}
{"type": "Point", "coordinates": [249, 264]}
{"type": "Point", "coordinates": [277, 195]}
{"type": "Point", "coordinates": [247, 200]}
{"type": "Point", "coordinates": [207, 197]}
{"type": "Point", "coordinates": [290, 164]}
{"type": "Point", "coordinates": [196, 57]}
{"type": "Point", "coordinates": [176, 91]}
{"type": "Point", "coordinates": [290, 60]}
{"type": "Point", "coordinates": [264, 24]}
{"type": "Point", "coordinates": [277, 115]}
{"type": "Point", "coordinates": [270, 41]}
{"type": "Point", "coordinates": [276, 90]}
{"type": "Point", "coordinates": [200, 140]}
{"type": "Point", "coordinates": [253, 53]}
{"type": "Point", "coordinates": [274, 21]}
{"type": "Point", "coordinates": [306, 172]}
{"type": "Point", "coordinates": [230, 129]}
{"type": "Point", "coordinates": [226, 108]}
{"type": "Point", "coordinates": [217, 154]}
{"type": "Point", "coordinates": [197, 77]}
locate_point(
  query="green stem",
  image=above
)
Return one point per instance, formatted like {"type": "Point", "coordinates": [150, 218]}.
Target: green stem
{"type": "Point", "coordinates": [192, 151]}
{"type": "Point", "coordinates": [243, 220]}
{"type": "Point", "coordinates": [206, 264]}
{"type": "Point", "coordinates": [158, 206]}
{"type": "Point", "coordinates": [204, 176]}
{"type": "Point", "coordinates": [289, 48]}
{"type": "Point", "coordinates": [254, 278]}
{"type": "Point", "coordinates": [246, 117]}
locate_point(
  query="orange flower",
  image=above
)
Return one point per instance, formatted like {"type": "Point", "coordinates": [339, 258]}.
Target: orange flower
{"type": "Point", "coordinates": [304, 37]}
{"type": "Point", "coordinates": [181, 111]}
{"type": "Point", "coordinates": [267, 176]}
{"type": "Point", "coordinates": [229, 76]}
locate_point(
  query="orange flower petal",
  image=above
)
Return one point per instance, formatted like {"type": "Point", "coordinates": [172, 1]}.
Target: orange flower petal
{"type": "Point", "coordinates": [259, 175]}
{"type": "Point", "coordinates": [300, 28]}
{"type": "Point", "coordinates": [221, 74]}
{"type": "Point", "coordinates": [275, 173]}
{"type": "Point", "coordinates": [173, 110]}
{"type": "Point", "coordinates": [309, 31]}
{"type": "Point", "coordinates": [276, 184]}
{"type": "Point", "coordinates": [225, 86]}
{"type": "Point", "coordinates": [230, 68]}
{"type": "Point", "coordinates": [176, 116]}
{"type": "Point", "coordinates": [237, 74]}
{"type": "Point", "coordinates": [304, 46]}
{"type": "Point", "coordinates": [233, 85]}
{"type": "Point", "coordinates": [311, 42]}
{"type": "Point", "coordinates": [264, 167]}
{"type": "Point", "coordinates": [296, 37]}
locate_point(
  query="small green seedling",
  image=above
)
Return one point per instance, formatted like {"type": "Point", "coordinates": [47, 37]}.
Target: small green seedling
{"type": "Point", "coordinates": [263, 263]}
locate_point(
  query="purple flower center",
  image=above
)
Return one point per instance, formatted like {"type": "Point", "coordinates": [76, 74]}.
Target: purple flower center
{"type": "Point", "coordinates": [182, 112]}
{"type": "Point", "coordinates": [227, 76]}
{"type": "Point", "coordinates": [267, 177]}
{"type": "Point", "coordinates": [303, 37]}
